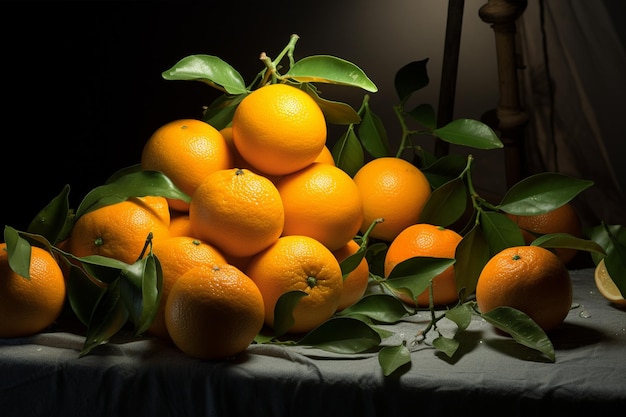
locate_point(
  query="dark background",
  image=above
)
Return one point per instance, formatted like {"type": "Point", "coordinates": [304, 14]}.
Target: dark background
{"type": "Point", "coordinates": [82, 89]}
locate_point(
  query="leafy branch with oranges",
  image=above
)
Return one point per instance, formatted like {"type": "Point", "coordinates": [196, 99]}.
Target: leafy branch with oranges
{"type": "Point", "coordinates": [300, 223]}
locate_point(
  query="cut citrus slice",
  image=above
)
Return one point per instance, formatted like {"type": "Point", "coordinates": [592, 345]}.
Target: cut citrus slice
{"type": "Point", "coordinates": [606, 286]}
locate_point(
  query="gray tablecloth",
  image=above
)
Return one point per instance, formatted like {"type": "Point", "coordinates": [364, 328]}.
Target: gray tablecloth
{"type": "Point", "coordinates": [42, 375]}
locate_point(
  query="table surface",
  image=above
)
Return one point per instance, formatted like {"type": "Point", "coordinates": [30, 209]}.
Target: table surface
{"type": "Point", "coordinates": [492, 375]}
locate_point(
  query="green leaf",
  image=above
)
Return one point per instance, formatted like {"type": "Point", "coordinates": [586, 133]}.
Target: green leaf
{"type": "Point", "coordinates": [413, 275]}
{"type": "Point", "coordinates": [220, 113]}
{"type": "Point", "coordinates": [348, 153]}
{"type": "Point", "coordinates": [472, 253]}
{"type": "Point", "coordinates": [425, 115]}
{"type": "Point", "coordinates": [151, 286]}
{"type": "Point", "coordinates": [446, 204]}
{"type": "Point", "coordinates": [500, 231]}
{"type": "Point", "coordinates": [461, 315]}
{"type": "Point", "coordinates": [375, 256]}
{"type": "Point", "coordinates": [140, 288]}
{"type": "Point", "coordinates": [411, 78]}
{"type": "Point", "coordinates": [373, 135]}
{"type": "Point", "coordinates": [350, 263]}
{"type": "Point", "coordinates": [468, 132]}
{"type": "Point", "coordinates": [283, 311]}
{"type": "Point", "coordinates": [541, 193]}
{"type": "Point", "coordinates": [342, 335]}
{"type": "Point", "coordinates": [565, 240]}
{"type": "Point", "coordinates": [19, 252]}
{"type": "Point", "coordinates": [51, 221]}
{"type": "Point", "coordinates": [335, 112]}
{"type": "Point", "coordinates": [444, 169]}
{"type": "Point", "coordinates": [522, 328]}
{"type": "Point", "coordinates": [446, 345]}
{"type": "Point", "coordinates": [331, 70]}
{"type": "Point", "coordinates": [615, 264]}
{"type": "Point", "coordinates": [383, 308]}
{"type": "Point", "coordinates": [134, 184]}
{"type": "Point", "coordinates": [104, 269]}
{"type": "Point", "coordinates": [604, 235]}
{"type": "Point", "coordinates": [82, 293]}
{"type": "Point", "coordinates": [392, 358]}
{"type": "Point", "coordinates": [108, 317]}
{"type": "Point", "coordinates": [615, 261]}
{"type": "Point", "coordinates": [207, 69]}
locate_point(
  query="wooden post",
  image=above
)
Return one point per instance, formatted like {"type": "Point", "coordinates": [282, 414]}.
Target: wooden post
{"type": "Point", "coordinates": [511, 118]}
{"type": "Point", "coordinates": [449, 71]}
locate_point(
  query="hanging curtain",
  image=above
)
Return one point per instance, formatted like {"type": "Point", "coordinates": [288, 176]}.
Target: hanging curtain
{"type": "Point", "coordinates": [574, 87]}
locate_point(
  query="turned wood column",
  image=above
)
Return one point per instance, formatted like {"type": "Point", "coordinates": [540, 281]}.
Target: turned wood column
{"type": "Point", "coordinates": [511, 118]}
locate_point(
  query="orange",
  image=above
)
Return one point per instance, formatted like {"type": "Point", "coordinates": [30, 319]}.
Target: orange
{"type": "Point", "coordinates": [531, 279]}
{"type": "Point", "coordinates": [279, 129]}
{"type": "Point", "coordinates": [156, 205]}
{"type": "Point", "coordinates": [214, 312]}
{"type": "Point", "coordinates": [392, 189]}
{"type": "Point", "coordinates": [238, 211]}
{"type": "Point", "coordinates": [298, 263]}
{"type": "Point", "coordinates": [323, 202]}
{"type": "Point", "coordinates": [355, 283]}
{"type": "Point", "coordinates": [186, 151]}
{"type": "Point", "coordinates": [325, 156]}
{"type": "Point", "coordinates": [238, 160]}
{"type": "Point", "coordinates": [428, 240]}
{"type": "Point", "coordinates": [606, 285]}
{"type": "Point", "coordinates": [118, 230]}
{"type": "Point", "coordinates": [564, 219]}
{"type": "Point", "coordinates": [28, 306]}
{"type": "Point", "coordinates": [180, 224]}
{"type": "Point", "coordinates": [178, 255]}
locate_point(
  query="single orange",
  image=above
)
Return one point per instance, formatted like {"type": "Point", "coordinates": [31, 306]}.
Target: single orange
{"type": "Point", "coordinates": [29, 306]}
{"type": "Point", "coordinates": [392, 189]}
{"type": "Point", "coordinates": [238, 160]}
{"type": "Point", "coordinates": [531, 279]}
{"type": "Point", "coordinates": [425, 239]}
{"type": "Point", "coordinates": [214, 312]}
{"type": "Point", "coordinates": [325, 157]}
{"type": "Point", "coordinates": [178, 255]}
{"type": "Point", "coordinates": [323, 202]}
{"type": "Point", "coordinates": [279, 129]}
{"type": "Point", "coordinates": [298, 263]}
{"type": "Point", "coordinates": [238, 211]}
{"type": "Point", "coordinates": [355, 283]}
{"type": "Point", "coordinates": [156, 205]}
{"type": "Point", "coordinates": [186, 151]}
{"type": "Point", "coordinates": [180, 224]}
{"type": "Point", "coordinates": [118, 230]}
{"type": "Point", "coordinates": [564, 219]}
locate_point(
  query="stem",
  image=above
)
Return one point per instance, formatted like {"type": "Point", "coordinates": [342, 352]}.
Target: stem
{"type": "Point", "coordinates": [398, 110]}
{"type": "Point", "coordinates": [287, 50]}
{"type": "Point", "coordinates": [270, 70]}
{"type": "Point", "coordinates": [365, 237]}
{"type": "Point", "coordinates": [271, 74]}
{"type": "Point", "coordinates": [477, 201]}
{"type": "Point", "coordinates": [145, 246]}
{"type": "Point", "coordinates": [406, 132]}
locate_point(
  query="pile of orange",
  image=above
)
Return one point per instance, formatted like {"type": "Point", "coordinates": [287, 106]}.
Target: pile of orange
{"type": "Point", "coordinates": [270, 215]}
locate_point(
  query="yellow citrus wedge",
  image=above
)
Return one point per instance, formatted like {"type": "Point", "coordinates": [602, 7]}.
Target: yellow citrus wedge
{"type": "Point", "coordinates": [606, 286]}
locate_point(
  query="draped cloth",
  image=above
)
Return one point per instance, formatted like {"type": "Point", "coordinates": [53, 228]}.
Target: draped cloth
{"type": "Point", "coordinates": [574, 87]}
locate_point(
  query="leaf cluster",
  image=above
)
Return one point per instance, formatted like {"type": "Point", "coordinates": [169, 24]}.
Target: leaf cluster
{"type": "Point", "coordinates": [106, 294]}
